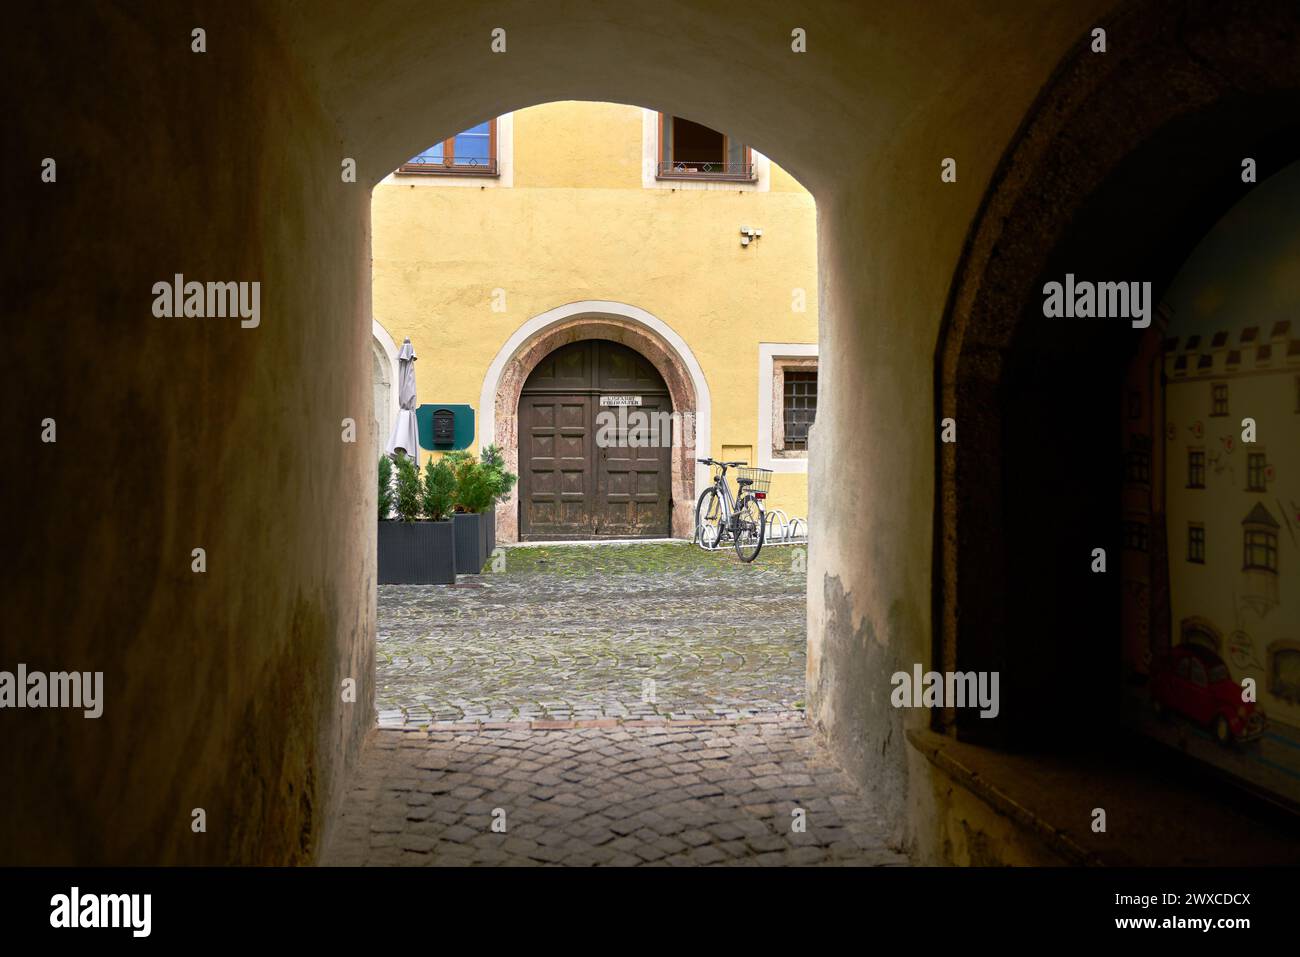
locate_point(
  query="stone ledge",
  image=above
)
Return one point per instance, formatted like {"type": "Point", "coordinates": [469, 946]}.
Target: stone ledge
{"type": "Point", "coordinates": [945, 754]}
{"type": "Point", "coordinates": [1161, 810]}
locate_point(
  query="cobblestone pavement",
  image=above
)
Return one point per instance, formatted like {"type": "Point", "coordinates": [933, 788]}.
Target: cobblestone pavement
{"type": "Point", "coordinates": [597, 631]}
{"type": "Point", "coordinates": [719, 792]}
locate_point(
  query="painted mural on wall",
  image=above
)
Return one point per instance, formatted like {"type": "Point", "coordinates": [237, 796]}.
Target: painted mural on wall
{"type": "Point", "coordinates": [1212, 483]}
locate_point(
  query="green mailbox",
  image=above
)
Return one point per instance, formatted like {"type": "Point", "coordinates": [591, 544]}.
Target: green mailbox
{"type": "Point", "coordinates": [445, 426]}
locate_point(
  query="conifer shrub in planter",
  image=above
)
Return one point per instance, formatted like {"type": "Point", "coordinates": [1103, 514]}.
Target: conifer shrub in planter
{"type": "Point", "coordinates": [419, 548]}
{"type": "Point", "coordinates": [479, 486]}
{"type": "Point", "coordinates": [385, 487]}
{"type": "Point", "coordinates": [502, 483]}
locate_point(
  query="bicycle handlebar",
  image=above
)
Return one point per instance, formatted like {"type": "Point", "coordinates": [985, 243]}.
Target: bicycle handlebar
{"type": "Point", "coordinates": [716, 462]}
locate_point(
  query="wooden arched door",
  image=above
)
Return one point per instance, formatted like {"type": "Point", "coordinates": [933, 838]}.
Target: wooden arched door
{"type": "Point", "coordinates": [595, 444]}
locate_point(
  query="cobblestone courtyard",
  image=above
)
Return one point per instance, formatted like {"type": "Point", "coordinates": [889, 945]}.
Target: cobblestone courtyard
{"type": "Point", "coordinates": [718, 792]}
{"type": "Point", "coordinates": [618, 705]}
{"type": "Point", "coordinates": [586, 632]}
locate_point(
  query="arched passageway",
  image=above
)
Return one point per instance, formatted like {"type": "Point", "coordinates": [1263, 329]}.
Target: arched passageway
{"type": "Point", "coordinates": [209, 433]}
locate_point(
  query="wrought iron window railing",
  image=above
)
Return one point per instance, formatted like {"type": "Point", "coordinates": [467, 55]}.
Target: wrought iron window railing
{"type": "Point", "coordinates": [469, 165]}
{"type": "Point", "coordinates": [681, 169]}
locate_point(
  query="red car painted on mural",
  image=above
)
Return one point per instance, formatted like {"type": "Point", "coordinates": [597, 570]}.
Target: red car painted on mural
{"type": "Point", "coordinates": [1193, 681]}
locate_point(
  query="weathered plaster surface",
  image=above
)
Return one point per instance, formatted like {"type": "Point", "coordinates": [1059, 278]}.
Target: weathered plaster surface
{"type": "Point", "coordinates": [222, 689]}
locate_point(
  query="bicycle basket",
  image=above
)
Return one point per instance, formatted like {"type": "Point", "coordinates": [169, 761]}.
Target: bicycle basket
{"type": "Point", "coordinates": [762, 478]}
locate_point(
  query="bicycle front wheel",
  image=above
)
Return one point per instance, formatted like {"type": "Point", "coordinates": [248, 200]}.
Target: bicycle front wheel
{"type": "Point", "coordinates": [708, 520]}
{"type": "Point", "coordinates": [749, 528]}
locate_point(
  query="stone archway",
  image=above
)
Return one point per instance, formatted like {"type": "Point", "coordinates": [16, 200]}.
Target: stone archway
{"type": "Point", "coordinates": [383, 360]}
{"type": "Point", "coordinates": [618, 322]}
{"type": "Point", "coordinates": [306, 87]}
{"type": "Point", "coordinates": [1198, 91]}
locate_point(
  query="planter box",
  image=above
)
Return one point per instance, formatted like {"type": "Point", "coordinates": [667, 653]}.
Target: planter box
{"type": "Point", "coordinates": [488, 522]}
{"type": "Point", "coordinates": [469, 543]}
{"type": "Point", "coordinates": [417, 553]}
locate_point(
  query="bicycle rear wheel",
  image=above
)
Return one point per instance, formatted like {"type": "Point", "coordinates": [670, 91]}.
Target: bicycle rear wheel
{"type": "Point", "coordinates": [749, 528]}
{"type": "Point", "coordinates": [708, 520]}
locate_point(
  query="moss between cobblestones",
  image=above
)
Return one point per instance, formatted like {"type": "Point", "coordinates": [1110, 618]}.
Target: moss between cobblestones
{"type": "Point", "coordinates": [597, 631]}
{"type": "Point", "coordinates": [584, 560]}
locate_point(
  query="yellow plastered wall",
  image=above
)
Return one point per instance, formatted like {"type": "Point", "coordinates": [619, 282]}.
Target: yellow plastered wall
{"type": "Point", "coordinates": [577, 224]}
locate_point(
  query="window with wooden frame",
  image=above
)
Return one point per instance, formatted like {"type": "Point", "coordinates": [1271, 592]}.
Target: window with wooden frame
{"type": "Point", "coordinates": [1196, 468]}
{"type": "Point", "coordinates": [469, 153]}
{"type": "Point", "coordinates": [1196, 543]}
{"type": "Point", "coordinates": [690, 150]}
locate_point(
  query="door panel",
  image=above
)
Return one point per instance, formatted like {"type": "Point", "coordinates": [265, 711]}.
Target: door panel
{"type": "Point", "coordinates": [632, 481]}
{"type": "Point", "coordinates": [620, 369]}
{"type": "Point", "coordinates": [555, 465]}
{"type": "Point", "coordinates": [567, 369]}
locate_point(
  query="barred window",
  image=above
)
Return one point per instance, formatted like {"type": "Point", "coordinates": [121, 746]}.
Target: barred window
{"type": "Point", "coordinates": [799, 405]}
{"type": "Point", "coordinates": [1196, 468]}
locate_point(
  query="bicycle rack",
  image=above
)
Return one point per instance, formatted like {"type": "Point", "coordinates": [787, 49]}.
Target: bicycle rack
{"type": "Point", "coordinates": [783, 530]}
{"type": "Point", "coordinates": [779, 529]}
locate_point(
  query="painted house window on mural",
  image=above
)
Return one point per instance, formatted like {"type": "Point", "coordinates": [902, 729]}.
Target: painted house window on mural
{"type": "Point", "coordinates": [1137, 464]}
{"type": "Point", "coordinates": [1259, 542]}
{"type": "Point", "coordinates": [1219, 394]}
{"type": "Point", "coordinates": [1256, 468]}
{"type": "Point", "coordinates": [1136, 536]}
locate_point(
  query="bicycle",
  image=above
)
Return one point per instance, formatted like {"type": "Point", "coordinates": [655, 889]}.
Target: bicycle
{"type": "Point", "coordinates": [719, 514]}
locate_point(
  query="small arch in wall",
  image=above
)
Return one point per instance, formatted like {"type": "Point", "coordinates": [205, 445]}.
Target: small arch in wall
{"type": "Point", "coordinates": [384, 363]}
